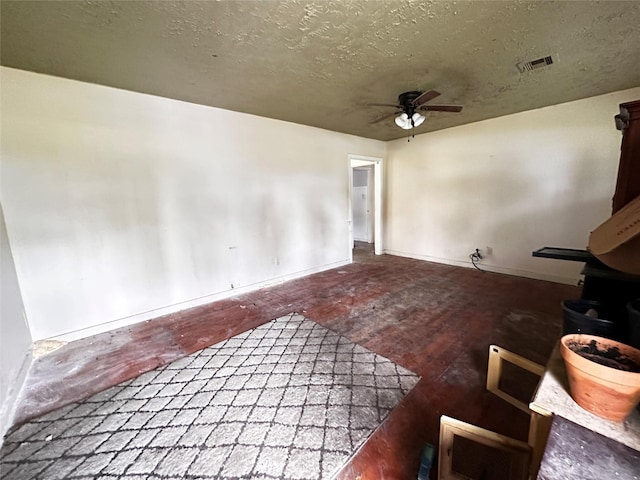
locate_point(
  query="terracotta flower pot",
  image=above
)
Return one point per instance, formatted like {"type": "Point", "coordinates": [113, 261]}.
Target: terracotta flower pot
{"type": "Point", "coordinates": [604, 375]}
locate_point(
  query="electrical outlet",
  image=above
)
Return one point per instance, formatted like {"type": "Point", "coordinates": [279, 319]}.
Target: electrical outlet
{"type": "Point", "coordinates": [488, 250]}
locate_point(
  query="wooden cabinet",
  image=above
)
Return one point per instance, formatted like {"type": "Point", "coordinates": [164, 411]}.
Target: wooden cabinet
{"type": "Point", "coordinates": [628, 183]}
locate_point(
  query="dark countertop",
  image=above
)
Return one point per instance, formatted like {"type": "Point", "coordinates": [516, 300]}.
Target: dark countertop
{"type": "Point", "coordinates": [575, 452]}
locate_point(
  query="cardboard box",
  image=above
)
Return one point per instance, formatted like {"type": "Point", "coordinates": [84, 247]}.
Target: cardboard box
{"type": "Point", "coordinates": [616, 242]}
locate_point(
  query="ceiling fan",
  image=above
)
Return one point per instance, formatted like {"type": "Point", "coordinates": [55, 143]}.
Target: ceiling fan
{"type": "Point", "coordinates": [409, 106]}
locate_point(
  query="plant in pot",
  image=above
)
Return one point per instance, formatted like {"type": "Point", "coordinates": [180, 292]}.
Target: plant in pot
{"type": "Point", "coordinates": [604, 375]}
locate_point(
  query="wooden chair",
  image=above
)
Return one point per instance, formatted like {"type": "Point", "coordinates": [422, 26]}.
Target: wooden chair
{"type": "Point", "coordinates": [522, 459]}
{"type": "Point", "coordinates": [540, 421]}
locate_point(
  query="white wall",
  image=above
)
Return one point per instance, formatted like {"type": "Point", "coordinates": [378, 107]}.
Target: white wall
{"type": "Point", "coordinates": [119, 203]}
{"type": "Point", "coordinates": [122, 206]}
{"type": "Point", "coordinates": [516, 183]}
{"type": "Point", "coordinates": [15, 339]}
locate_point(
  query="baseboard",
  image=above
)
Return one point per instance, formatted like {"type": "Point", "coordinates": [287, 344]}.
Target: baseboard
{"type": "Point", "coordinates": [489, 268]}
{"type": "Point", "coordinates": [10, 405]}
{"type": "Point", "coordinates": [196, 302]}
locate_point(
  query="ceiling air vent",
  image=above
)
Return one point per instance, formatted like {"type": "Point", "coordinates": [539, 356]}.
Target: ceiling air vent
{"type": "Point", "coordinates": [535, 64]}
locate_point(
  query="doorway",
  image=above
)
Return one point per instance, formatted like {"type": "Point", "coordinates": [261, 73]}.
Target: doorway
{"type": "Point", "coordinates": [365, 202]}
{"type": "Point", "coordinates": [362, 206]}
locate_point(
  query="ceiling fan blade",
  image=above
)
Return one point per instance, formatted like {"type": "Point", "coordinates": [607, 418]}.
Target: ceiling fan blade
{"type": "Point", "coordinates": [441, 108]}
{"type": "Point", "coordinates": [384, 117]}
{"type": "Point", "coordinates": [425, 97]}
{"type": "Point", "coordinates": [383, 105]}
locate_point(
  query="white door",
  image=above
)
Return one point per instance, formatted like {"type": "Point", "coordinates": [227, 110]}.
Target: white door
{"type": "Point", "coordinates": [360, 206]}
{"type": "Point", "coordinates": [374, 182]}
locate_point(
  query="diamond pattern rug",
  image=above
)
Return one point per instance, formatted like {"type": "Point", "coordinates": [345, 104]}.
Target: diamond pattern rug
{"type": "Point", "coordinates": [287, 400]}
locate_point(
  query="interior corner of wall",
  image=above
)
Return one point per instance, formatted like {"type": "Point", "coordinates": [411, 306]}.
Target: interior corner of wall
{"type": "Point", "coordinates": [14, 396]}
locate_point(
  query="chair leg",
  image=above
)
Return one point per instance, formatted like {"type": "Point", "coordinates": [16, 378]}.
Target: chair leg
{"type": "Point", "coordinates": [539, 427]}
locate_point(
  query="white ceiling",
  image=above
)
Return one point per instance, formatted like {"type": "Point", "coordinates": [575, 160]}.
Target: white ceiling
{"type": "Point", "coordinates": [322, 62]}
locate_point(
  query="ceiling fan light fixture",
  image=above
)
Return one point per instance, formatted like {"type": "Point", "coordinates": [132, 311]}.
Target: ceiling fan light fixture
{"type": "Point", "coordinates": [407, 122]}
{"type": "Point", "coordinates": [402, 120]}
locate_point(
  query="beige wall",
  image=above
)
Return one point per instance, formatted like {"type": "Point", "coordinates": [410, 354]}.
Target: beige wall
{"type": "Point", "coordinates": [123, 206]}
{"type": "Point", "coordinates": [514, 184]}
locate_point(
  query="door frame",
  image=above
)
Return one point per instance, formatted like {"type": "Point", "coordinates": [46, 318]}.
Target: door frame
{"type": "Point", "coordinates": [378, 165]}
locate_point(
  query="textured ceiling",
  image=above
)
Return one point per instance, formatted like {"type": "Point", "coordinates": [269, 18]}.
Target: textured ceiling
{"type": "Point", "coordinates": [321, 62]}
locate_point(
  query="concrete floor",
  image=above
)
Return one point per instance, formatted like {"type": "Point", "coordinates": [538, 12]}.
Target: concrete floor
{"type": "Point", "coordinates": [435, 320]}
{"type": "Point", "coordinates": [288, 400]}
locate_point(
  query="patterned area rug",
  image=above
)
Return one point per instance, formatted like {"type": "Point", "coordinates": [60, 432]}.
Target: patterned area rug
{"type": "Point", "coordinates": [287, 400]}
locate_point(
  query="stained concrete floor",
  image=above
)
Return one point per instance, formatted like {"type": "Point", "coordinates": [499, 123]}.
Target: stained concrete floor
{"type": "Point", "coordinates": [435, 320]}
{"type": "Point", "coordinates": [288, 400]}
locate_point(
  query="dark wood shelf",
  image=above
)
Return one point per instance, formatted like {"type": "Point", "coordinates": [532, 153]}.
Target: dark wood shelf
{"type": "Point", "coordinates": [570, 254]}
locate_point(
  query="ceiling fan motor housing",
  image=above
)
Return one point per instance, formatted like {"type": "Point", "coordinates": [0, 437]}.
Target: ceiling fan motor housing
{"type": "Point", "coordinates": [406, 99]}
